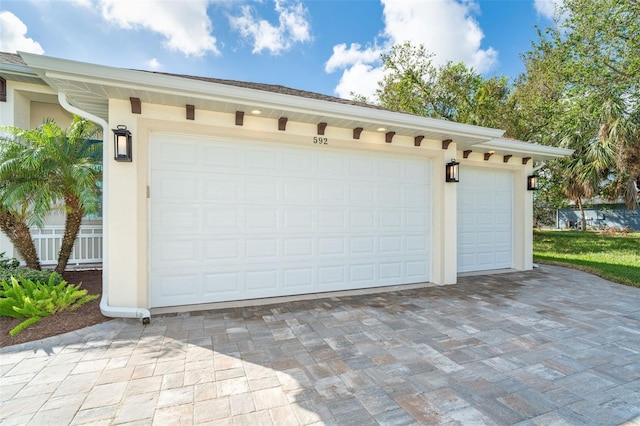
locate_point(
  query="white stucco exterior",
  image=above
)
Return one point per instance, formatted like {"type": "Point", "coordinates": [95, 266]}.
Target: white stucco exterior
{"type": "Point", "coordinates": [127, 210]}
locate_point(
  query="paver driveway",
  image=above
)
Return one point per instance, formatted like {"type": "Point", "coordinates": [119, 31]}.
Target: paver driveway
{"type": "Point", "coordinates": [550, 346]}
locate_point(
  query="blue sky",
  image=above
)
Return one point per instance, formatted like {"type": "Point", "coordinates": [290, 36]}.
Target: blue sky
{"type": "Point", "coordinates": [326, 46]}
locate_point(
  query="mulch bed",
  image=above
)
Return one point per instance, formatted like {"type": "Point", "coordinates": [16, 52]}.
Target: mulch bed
{"type": "Point", "coordinates": [88, 314]}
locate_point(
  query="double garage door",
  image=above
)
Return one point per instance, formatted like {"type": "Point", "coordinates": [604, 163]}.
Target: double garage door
{"type": "Point", "coordinates": [233, 220]}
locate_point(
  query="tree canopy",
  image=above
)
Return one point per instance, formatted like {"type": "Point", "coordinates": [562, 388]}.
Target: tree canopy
{"type": "Point", "coordinates": [580, 90]}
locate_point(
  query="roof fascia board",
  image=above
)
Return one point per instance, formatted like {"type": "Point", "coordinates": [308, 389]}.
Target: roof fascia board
{"type": "Point", "coordinates": [141, 80]}
{"type": "Point", "coordinates": [513, 145]}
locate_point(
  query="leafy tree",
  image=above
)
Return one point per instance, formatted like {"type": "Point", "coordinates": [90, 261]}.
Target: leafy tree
{"type": "Point", "coordinates": [48, 168]}
{"type": "Point", "coordinates": [582, 91]}
{"type": "Point", "coordinates": [413, 84]}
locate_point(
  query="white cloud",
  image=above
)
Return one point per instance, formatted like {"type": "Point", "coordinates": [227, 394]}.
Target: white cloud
{"type": "Point", "coordinates": [361, 79]}
{"type": "Point", "coordinates": [293, 27]}
{"type": "Point", "coordinates": [13, 35]}
{"type": "Point", "coordinates": [185, 24]}
{"type": "Point", "coordinates": [343, 57]}
{"type": "Point", "coordinates": [547, 8]}
{"type": "Point", "coordinates": [154, 64]}
{"type": "Point", "coordinates": [445, 27]}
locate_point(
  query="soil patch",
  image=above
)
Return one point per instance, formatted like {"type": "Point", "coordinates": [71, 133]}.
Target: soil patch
{"type": "Point", "coordinates": [63, 322]}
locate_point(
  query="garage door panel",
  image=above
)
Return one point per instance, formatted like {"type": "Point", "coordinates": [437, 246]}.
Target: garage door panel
{"type": "Point", "coordinates": [331, 276]}
{"type": "Point", "coordinates": [331, 164]}
{"type": "Point", "coordinates": [332, 245]}
{"type": "Point", "coordinates": [362, 245]}
{"type": "Point", "coordinates": [176, 252]}
{"type": "Point", "coordinates": [173, 155]}
{"type": "Point", "coordinates": [297, 162]}
{"type": "Point", "coordinates": [182, 286]}
{"type": "Point", "coordinates": [331, 192]}
{"type": "Point", "coordinates": [360, 220]}
{"type": "Point", "coordinates": [390, 270]}
{"type": "Point", "coordinates": [417, 268]}
{"type": "Point", "coordinates": [390, 244]}
{"type": "Point", "coordinates": [261, 249]}
{"type": "Point", "coordinates": [416, 172]}
{"type": "Point", "coordinates": [218, 188]}
{"type": "Point", "coordinates": [263, 160]}
{"type": "Point", "coordinates": [221, 249]}
{"type": "Point", "coordinates": [485, 211]}
{"type": "Point", "coordinates": [259, 191]}
{"type": "Point", "coordinates": [390, 219]}
{"type": "Point", "coordinates": [361, 193]}
{"type": "Point", "coordinates": [261, 219]}
{"type": "Point", "coordinates": [331, 219]}
{"type": "Point", "coordinates": [221, 283]}
{"type": "Point", "coordinates": [301, 246]}
{"type": "Point", "coordinates": [299, 277]}
{"type": "Point", "coordinates": [285, 220]}
{"type": "Point", "coordinates": [298, 191]}
{"type": "Point", "coordinates": [222, 218]}
{"type": "Point", "coordinates": [362, 167]}
{"type": "Point", "coordinates": [416, 243]}
{"type": "Point", "coordinates": [176, 219]}
{"type": "Point", "coordinates": [263, 279]}
{"type": "Point", "coordinates": [297, 219]}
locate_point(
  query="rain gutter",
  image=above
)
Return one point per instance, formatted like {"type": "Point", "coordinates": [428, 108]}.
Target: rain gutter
{"type": "Point", "coordinates": [105, 308]}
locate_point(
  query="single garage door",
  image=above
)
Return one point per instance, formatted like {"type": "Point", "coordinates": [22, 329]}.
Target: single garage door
{"type": "Point", "coordinates": [485, 219]}
{"type": "Point", "coordinates": [233, 220]}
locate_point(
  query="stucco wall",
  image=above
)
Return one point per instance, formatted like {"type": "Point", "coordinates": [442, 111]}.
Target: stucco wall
{"type": "Point", "coordinates": [127, 214]}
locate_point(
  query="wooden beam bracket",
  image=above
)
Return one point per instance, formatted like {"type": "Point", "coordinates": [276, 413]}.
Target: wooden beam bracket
{"type": "Point", "coordinates": [525, 160]}
{"type": "Point", "coordinates": [321, 128]}
{"type": "Point", "coordinates": [136, 105]}
{"type": "Point", "coordinates": [506, 158]}
{"type": "Point", "coordinates": [417, 140]}
{"type": "Point", "coordinates": [465, 154]}
{"type": "Point", "coordinates": [487, 155]}
{"type": "Point", "coordinates": [282, 123]}
{"type": "Point", "coordinates": [388, 137]}
{"type": "Point", "coordinates": [239, 118]}
{"type": "Point", "coordinates": [446, 143]}
{"type": "Point", "coordinates": [191, 112]}
{"type": "Point", "coordinates": [356, 132]}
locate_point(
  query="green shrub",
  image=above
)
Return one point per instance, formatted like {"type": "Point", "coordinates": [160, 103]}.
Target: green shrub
{"type": "Point", "coordinates": [8, 263]}
{"type": "Point", "coordinates": [34, 300]}
{"type": "Point", "coordinates": [29, 274]}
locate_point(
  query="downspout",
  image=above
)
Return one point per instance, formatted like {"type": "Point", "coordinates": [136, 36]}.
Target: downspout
{"type": "Point", "coordinates": [109, 311]}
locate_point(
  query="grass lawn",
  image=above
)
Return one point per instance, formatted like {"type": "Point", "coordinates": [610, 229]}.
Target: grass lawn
{"type": "Point", "coordinates": [613, 257]}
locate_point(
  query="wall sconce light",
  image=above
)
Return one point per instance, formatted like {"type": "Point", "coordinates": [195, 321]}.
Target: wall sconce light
{"type": "Point", "coordinates": [532, 183]}
{"type": "Point", "coordinates": [451, 171]}
{"type": "Point", "coordinates": [122, 144]}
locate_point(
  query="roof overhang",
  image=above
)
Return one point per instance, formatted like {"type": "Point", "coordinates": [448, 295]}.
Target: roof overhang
{"type": "Point", "coordinates": [89, 88]}
{"type": "Point", "coordinates": [504, 146]}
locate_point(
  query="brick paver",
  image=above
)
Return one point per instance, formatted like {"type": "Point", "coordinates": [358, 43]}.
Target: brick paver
{"type": "Point", "coordinates": [549, 346]}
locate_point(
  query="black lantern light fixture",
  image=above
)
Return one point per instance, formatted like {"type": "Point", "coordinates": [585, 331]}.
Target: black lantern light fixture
{"type": "Point", "coordinates": [451, 171]}
{"type": "Point", "coordinates": [122, 144]}
{"type": "Point", "coordinates": [532, 183]}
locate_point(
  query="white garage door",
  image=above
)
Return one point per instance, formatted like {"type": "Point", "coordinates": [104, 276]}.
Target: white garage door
{"type": "Point", "coordinates": [485, 224]}
{"type": "Point", "coordinates": [234, 220]}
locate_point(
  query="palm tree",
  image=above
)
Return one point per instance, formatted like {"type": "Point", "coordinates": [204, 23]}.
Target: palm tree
{"type": "Point", "coordinates": [48, 168]}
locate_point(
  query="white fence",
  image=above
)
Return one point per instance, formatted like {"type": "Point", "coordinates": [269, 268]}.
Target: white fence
{"type": "Point", "coordinates": [86, 250]}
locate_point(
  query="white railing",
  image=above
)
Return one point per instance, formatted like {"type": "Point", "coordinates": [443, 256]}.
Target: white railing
{"type": "Point", "coordinates": [87, 248]}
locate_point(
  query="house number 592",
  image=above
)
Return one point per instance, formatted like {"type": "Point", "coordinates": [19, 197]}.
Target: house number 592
{"type": "Point", "coordinates": [320, 141]}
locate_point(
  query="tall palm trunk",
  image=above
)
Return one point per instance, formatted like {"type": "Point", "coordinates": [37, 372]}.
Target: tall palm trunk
{"type": "Point", "coordinates": [19, 234]}
{"type": "Point", "coordinates": [71, 227]}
